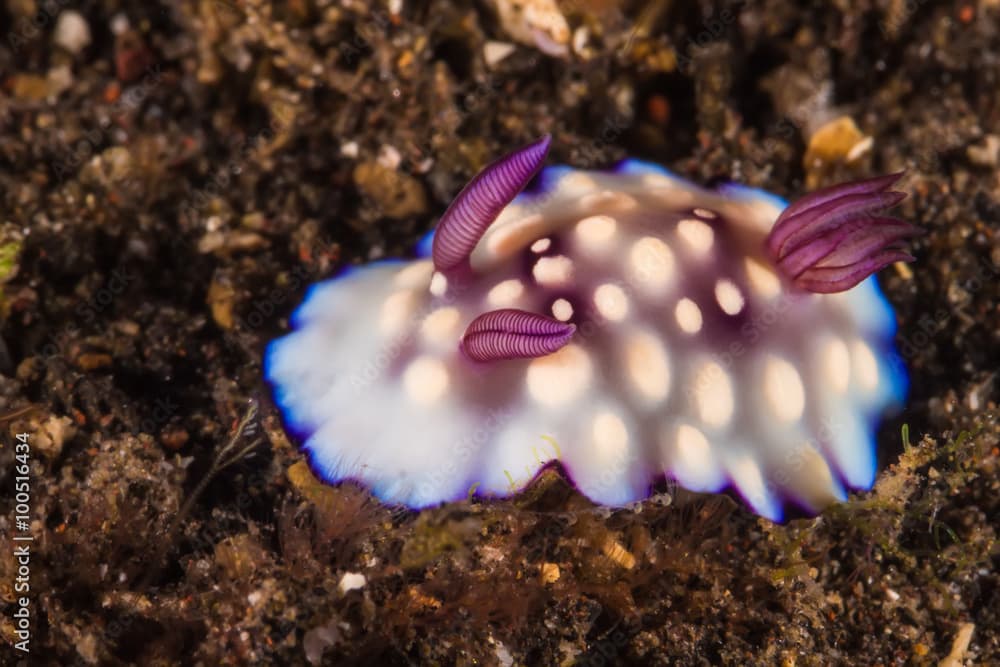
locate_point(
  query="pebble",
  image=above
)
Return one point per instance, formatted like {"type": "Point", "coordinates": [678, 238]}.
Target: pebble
{"type": "Point", "coordinates": [618, 554]}
{"type": "Point", "coordinates": [90, 361]}
{"type": "Point", "coordinates": [174, 438]}
{"type": "Point", "coordinates": [396, 193]}
{"type": "Point", "coordinates": [839, 141]}
{"type": "Point", "coordinates": [50, 437]}
{"type": "Point", "coordinates": [389, 157]}
{"type": "Point", "coordinates": [351, 581]}
{"type": "Point", "coordinates": [120, 24]}
{"type": "Point", "coordinates": [986, 153]}
{"type": "Point", "coordinates": [71, 32]}
{"type": "Point", "coordinates": [221, 298]}
{"type": "Point", "coordinates": [580, 38]}
{"type": "Point", "coordinates": [350, 149]}
{"type": "Point", "coordinates": [494, 52]}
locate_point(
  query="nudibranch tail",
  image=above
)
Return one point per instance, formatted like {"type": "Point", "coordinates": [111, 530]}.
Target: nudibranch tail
{"type": "Point", "coordinates": [514, 334]}
{"type": "Point", "coordinates": [481, 201]}
{"type": "Point", "coordinates": [832, 239]}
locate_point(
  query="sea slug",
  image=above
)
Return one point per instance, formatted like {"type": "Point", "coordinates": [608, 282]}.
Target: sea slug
{"type": "Point", "coordinates": [626, 323]}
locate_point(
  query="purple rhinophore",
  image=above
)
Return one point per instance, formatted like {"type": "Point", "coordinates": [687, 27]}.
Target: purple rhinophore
{"type": "Point", "coordinates": [832, 239]}
{"type": "Point", "coordinates": [481, 201]}
{"type": "Point", "coordinates": [514, 334]}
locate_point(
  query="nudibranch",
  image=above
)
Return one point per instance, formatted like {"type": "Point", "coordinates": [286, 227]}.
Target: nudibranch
{"type": "Point", "coordinates": [627, 323]}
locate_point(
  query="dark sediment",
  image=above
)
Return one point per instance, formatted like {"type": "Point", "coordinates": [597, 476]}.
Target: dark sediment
{"type": "Point", "coordinates": [168, 189]}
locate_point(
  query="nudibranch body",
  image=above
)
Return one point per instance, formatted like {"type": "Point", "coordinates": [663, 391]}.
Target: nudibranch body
{"type": "Point", "coordinates": [627, 323]}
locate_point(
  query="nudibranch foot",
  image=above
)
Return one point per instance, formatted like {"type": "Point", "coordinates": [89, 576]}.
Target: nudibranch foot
{"type": "Point", "coordinates": [627, 324]}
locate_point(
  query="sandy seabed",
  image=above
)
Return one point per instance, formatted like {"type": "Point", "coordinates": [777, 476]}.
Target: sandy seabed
{"type": "Point", "coordinates": [173, 175]}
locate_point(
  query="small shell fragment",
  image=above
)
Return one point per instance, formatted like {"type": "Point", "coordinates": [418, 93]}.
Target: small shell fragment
{"type": "Point", "coordinates": [494, 52]}
{"type": "Point", "coordinates": [549, 573]}
{"type": "Point", "coordinates": [614, 550]}
{"type": "Point", "coordinates": [537, 23]}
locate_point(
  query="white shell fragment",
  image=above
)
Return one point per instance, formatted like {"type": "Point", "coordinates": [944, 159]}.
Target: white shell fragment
{"type": "Point", "coordinates": [72, 32]}
{"type": "Point", "coordinates": [535, 23]}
